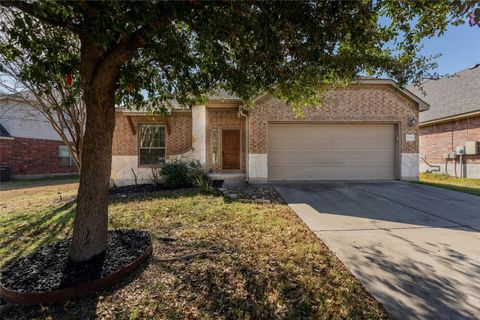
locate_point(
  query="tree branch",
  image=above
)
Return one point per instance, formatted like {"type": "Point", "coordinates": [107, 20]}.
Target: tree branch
{"type": "Point", "coordinates": [29, 8]}
{"type": "Point", "coordinates": [126, 47]}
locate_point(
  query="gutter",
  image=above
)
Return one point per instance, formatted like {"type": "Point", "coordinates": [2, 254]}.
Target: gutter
{"type": "Point", "coordinates": [450, 118]}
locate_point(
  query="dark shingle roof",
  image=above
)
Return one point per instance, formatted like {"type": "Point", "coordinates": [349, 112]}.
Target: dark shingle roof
{"type": "Point", "coordinates": [452, 95]}
{"type": "Point", "coordinates": [4, 132]}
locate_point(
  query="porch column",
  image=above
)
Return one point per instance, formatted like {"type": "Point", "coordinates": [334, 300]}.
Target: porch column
{"type": "Point", "coordinates": [199, 132]}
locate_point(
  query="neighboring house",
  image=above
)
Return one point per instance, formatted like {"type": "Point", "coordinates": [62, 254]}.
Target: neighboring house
{"type": "Point", "coordinates": [366, 131]}
{"type": "Point", "coordinates": [452, 123]}
{"type": "Point", "coordinates": [29, 146]}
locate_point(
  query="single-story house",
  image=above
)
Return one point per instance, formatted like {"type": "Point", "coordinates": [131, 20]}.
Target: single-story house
{"type": "Point", "coordinates": [367, 130]}
{"type": "Point", "coordinates": [29, 146]}
{"type": "Point", "coordinates": [450, 129]}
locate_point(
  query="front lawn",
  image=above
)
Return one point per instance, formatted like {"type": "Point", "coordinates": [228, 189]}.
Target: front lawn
{"type": "Point", "coordinates": [255, 261]}
{"type": "Point", "coordinates": [466, 185]}
{"type": "Point", "coordinates": [44, 181]}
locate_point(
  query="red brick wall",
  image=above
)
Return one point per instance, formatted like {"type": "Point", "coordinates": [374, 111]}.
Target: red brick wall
{"type": "Point", "coordinates": [223, 119]}
{"type": "Point", "coordinates": [179, 139]}
{"type": "Point", "coordinates": [351, 104]}
{"type": "Point", "coordinates": [32, 156]}
{"type": "Point", "coordinates": [438, 139]}
{"type": "Point", "coordinates": [6, 152]}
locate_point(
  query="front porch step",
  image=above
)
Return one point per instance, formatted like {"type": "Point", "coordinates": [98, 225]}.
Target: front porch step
{"type": "Point", "coordinates": [238, 176]}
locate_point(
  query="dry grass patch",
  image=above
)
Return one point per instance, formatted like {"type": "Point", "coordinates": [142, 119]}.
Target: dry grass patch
{"type": "Point", "coordinates": [466, 185]}
{"type": "Point", "coordinates": [257, 262]}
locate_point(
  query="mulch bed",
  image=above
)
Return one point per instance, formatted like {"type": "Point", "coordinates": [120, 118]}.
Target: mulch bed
{"type": "Point", "coordinates": [255, 193]}
{"type": "Point", "coordinates": [139, 188]}
{"type": "Point", "coordinates": [49, 268]}
{"type": "Point", "coordinates": [148, 187]}
{"type": "Point", "coordinates": [217, 183]}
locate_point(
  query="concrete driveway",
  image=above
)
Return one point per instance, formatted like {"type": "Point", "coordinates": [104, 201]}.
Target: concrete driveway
{"type": "Point", "coordinates": [415, 248]}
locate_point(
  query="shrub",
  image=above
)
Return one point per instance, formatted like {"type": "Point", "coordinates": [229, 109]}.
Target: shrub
{"type": "Point", "coordinates": [183, 175]}
{"type": "Point", "coordinates": [176, 175]}
{"type": "Point", "coordinates": [204, 184]}
{"type": "Point", "coordinates": [196, 170]}
{"type": "Point", "coordinates": [199, 177]}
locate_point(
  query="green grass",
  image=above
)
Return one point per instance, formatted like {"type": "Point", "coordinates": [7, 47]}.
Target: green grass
{"type": "Point", "coordinates": [471, 186]}
{"type": "Point", "coordinates": [31, 217]}
{"type": "Point", "coordinates": [44, 181]}
{"type": "Point", "coordinates": [265, 263]}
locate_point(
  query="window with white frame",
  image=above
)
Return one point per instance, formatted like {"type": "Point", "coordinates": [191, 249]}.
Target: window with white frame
{"type": "Point", "coordinates": [152, 145]}
{"type": "Point", "coordinates": [64, 157]}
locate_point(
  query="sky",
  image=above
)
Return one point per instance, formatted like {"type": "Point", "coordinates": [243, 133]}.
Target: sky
{"type": "Point", "coordinates": [459, 46]}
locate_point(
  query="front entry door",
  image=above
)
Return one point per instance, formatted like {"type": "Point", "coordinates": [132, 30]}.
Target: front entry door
{"type": "Point", "coordinates": [231, 149]}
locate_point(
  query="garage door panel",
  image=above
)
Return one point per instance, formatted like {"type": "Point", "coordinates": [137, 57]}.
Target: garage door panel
{"type": "Point", "coordinates": [316, 158]}
{"type": "Point", "coordinates": [362, 157]}
{"type": "Point", "coordinates": [331, 151]}
{"type": "Point", "coordinates": [308, 143]}
{"type": "Point", "coordinates": [276, 143]}
{"type": "Point", "coordinates": [292, 159]}
{"type": "Point", "coordinates": [360, 143]}
{"type": "Point", "coordinates": [275, 173]}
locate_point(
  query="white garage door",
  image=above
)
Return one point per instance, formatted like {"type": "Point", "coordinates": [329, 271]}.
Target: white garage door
{"type": "Point", "coordinates": [331, 151]}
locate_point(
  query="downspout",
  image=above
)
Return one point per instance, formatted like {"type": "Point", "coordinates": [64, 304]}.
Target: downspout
{"type": "Point", "coordinates": [242, 114]}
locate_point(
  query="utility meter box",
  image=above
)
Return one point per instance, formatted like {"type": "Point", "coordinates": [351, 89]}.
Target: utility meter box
{"type": "Point", "coordinates": [460, 150]}
{"type": "Point", "coordinates": [472, 147]}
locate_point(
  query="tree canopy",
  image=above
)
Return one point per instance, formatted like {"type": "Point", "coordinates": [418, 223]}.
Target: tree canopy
{"type": "Point", "coordinates": [181, 50]}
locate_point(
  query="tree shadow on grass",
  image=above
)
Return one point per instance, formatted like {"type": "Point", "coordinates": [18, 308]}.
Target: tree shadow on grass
{"type": "Point", "coordinates": [225, 286]}
{"type": "Point", "coordinates": [220, 285]}
{"type": "Point", "coordinates": [28, 232]}
{"type": "Point", "coordinates": [233, 281]}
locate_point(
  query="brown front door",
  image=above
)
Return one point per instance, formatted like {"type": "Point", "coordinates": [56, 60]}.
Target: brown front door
{"type": "Point", "coordinates": [231, 149]}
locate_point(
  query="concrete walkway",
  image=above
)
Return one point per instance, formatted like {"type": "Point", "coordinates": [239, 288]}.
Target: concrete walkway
{"type": "Point", "coordinates": [415, 248]}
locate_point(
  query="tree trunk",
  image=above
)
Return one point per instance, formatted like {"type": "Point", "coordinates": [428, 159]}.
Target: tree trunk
{"type": "Point", "coordinates": [91, 219]}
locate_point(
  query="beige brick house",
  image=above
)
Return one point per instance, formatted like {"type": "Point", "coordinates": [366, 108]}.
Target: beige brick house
{"type": "Point", "coordinates": [365, 131]}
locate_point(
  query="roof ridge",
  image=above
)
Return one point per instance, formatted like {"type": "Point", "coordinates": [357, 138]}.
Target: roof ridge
{"type": "Point", "coordinates": [448, 75]}
{"type": "Point", "coordinates": [468, 68]}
